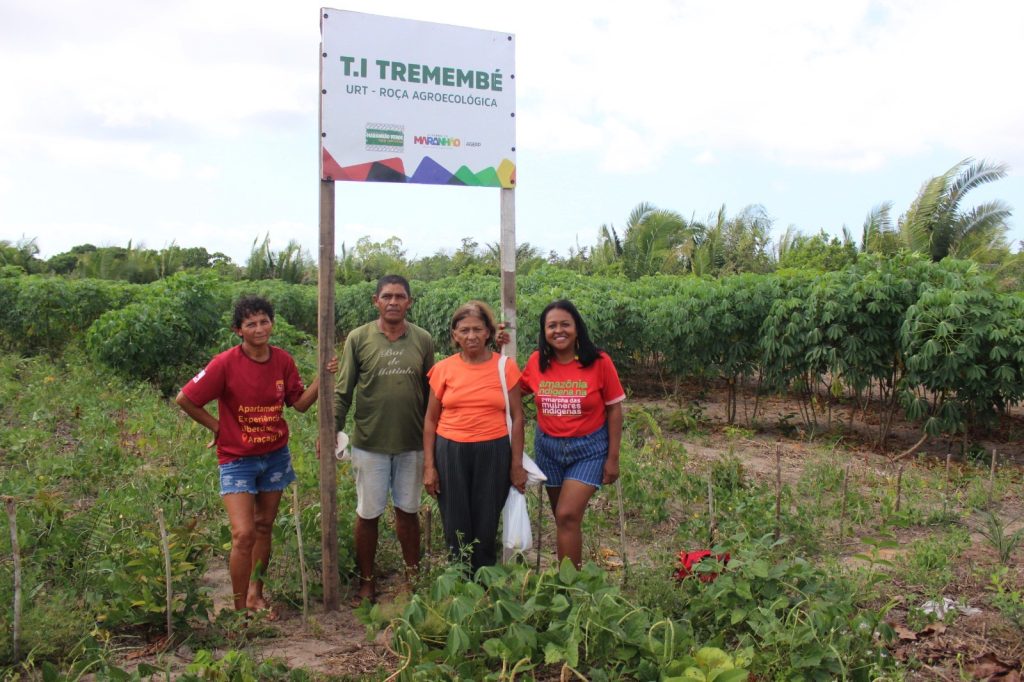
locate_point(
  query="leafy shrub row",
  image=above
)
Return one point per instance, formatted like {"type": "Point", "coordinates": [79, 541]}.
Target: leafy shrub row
{"type": "Point", "coordinates": [937, 340]}
{"type": "Point", "coordinates": [41, 315]}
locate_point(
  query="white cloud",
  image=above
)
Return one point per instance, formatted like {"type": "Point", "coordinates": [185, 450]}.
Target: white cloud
{"type": "Point", "coordinates": [847, 85]}
{"type": "Point", "coordinates": [204, 90]}
{"type": "Point", "coordinates": [705, 158]}
{"type": "Point", "coordinates": [208, 173]}
{"type": "Point", "coordinates": [85, 155]}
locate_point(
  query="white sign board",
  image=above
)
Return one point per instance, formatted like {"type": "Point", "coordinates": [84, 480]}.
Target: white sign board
{"type": "Point", "coordinates": [413, 101]}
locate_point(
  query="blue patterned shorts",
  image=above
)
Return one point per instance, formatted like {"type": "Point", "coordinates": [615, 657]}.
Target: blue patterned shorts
{"type": "Point", "coordinates": [577, 459]}
{"type": "Point", "coordinates": [254, 474]}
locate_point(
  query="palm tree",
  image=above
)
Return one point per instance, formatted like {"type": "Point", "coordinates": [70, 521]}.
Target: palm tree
{"type": "Point", "coordinates": [22, 253]}
{"type": "Point", "coordinates": [878, 234]}
{"type": "Point", "coordinates": [652, 242]}
{"type": "Point", "coordinates": [528, 257]}
{"type": "Point", "coordinates": [295, 264]}
{"type": "Point", "coordinates": [937, 225]}
{"type": "Point", "coordinates": [706, 251]}
{"type": "Point", "coordinates": [346, 271]}
{"type": "Point", "coordinates": [609, 247]}
{"type": "Point", "coordinates": [260, 264]}
{"type": "Point", "coordinates": [726, 245]}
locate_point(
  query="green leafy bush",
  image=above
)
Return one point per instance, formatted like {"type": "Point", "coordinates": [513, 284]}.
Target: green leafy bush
{"type": "Point", "coordinates": [44, 314]}
{"type": "Point", "coordinates": [163, 337]}
{"type": "Point", "coordinates": [965, 347]}
{"type": "Point", "coordinates": [353, 306]}
{"type": "Point", "coordinates": [803, 623]}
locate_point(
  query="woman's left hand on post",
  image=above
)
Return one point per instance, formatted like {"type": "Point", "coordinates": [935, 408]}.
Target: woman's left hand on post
{"type": "Point", "coordinates": [611, 472]}
{"type": "Point", "coordinates": [518, 476]}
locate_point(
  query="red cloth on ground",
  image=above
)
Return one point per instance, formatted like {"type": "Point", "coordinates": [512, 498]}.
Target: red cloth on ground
{"type": "Point", "coordinates": [688, 560]}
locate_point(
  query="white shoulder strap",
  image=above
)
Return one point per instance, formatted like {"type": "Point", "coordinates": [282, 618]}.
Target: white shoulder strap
{"type": "Point", "coordinates": [504, 392]}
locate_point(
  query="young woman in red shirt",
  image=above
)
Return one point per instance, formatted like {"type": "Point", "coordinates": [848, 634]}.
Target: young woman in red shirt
{"type": "Point", "coordinates": [579, 419]}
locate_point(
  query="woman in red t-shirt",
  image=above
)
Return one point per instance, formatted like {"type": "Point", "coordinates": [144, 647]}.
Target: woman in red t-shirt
{"type": "Point", "coordinates": [251, 383]}
{"type": "Point", "coordinates": [579, 419]}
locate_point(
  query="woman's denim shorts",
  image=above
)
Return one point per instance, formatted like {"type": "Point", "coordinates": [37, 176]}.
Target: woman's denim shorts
{"type": "Point", "coordinates": [254, 474]}
{"type": "Point", "coordinates": [578, 459]}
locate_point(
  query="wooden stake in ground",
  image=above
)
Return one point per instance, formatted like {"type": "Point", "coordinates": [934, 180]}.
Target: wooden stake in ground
{"type": "Point", "coordinates": [297, 513]}
{"type": "Point", "coordinates": [778, 490]}
{"type": "Point", "coordinates": [622, 530]}
{"type": "Point", "coordinates": [12, 522]}
{"type": "Point", "coordinates": [428, 523]}
{"type": "Point", "coordinates": [712, 525]}
{"type": "Point", "coordinates": [842, 513]}
{"type": "Point", "coordinates": [899, 487]}
{"type": "Point", "coordinates": [167, 572]}
{"type": "Point", "coordinates": [325, 400]}
{"type": "Point", "coordinates": [992, 478]}
{"type": "Point", "coordinates": [540, 520]}
{"type": "Point", "coordinates": [949, 464]}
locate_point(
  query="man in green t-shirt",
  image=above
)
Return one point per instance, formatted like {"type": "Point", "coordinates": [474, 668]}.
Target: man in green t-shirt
{"type": "Point", "coordinates": [384, 366]}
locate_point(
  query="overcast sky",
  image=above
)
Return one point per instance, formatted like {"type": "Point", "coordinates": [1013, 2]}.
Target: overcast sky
{"type": "Point", "coordinates": [195, 122]}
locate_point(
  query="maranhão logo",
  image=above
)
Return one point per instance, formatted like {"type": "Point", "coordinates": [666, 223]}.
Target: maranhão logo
{"type": "Point", "coordinates": [437, 140]}
{"type": "Point", "coordinates": [385, 137]}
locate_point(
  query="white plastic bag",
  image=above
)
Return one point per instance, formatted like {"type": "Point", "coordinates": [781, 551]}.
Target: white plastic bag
{"type": "Point", "coordinates": [517, 536]}
{"type": "Point", "coordinates": [533, 473]}
{"type": "Point", "coordinates": [341, 451]}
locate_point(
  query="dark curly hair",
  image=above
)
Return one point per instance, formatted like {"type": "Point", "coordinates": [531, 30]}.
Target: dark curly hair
{"type": "Point", "coordinates": [248, 306]}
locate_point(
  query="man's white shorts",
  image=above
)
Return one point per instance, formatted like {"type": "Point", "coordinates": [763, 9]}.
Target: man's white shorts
{"type": "Point", "coordinates": [378, 473]}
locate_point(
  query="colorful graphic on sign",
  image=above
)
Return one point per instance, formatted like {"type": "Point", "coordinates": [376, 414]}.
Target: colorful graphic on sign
{"type": "Point", "coordinates": [414, 101]}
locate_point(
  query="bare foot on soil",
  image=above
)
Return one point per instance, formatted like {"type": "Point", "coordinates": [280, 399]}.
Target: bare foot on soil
{"type": "Point", "coordinates": [367, 592]}
{"type": "Point", "coordinates": [260, 606]}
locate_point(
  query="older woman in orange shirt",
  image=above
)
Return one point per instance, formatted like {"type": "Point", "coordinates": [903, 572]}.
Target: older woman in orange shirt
{"type": "Point", "coordinates": [469, 457]}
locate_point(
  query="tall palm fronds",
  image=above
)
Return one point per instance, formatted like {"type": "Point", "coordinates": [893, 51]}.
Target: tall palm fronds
{"type": "Point", "coordinates": [652, 240]}
{"type": "Point", "coordinates": [293, 264]}
{"type": "Point", "coordinates": [21, 253]}
{"type": "Point", "coordinates": [346, 270]}
{"type": "Point", "coordinates": [528, 257]}
{"type": "Point", "coordinates": [936, 224]}
{"type": "Point", "coordinates": [609, 247]}
{"type": "Point", "coordinates": [878, 234]}
{"type": "Point", "coordinates": [707, 253]}
{"type": "Point", "coordinates": [788, 241]}
{"type": "Point", "coordinates": [260, 264]}
{"type": "Point", "coordinates": [728, 245]}
{"type": "Point", "coordinates": [132, 264]}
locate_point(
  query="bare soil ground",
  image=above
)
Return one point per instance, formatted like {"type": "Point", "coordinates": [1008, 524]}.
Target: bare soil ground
{"type": "Point", "coordinates": [328, 643]}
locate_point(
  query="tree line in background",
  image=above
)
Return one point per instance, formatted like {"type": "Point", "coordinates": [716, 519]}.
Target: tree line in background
{"type": "Point", "coordinates": [653, 240]}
